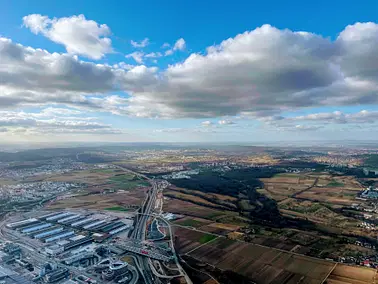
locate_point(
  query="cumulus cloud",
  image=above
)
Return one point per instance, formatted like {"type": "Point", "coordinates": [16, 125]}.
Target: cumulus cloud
{"type": "Point", "coordinates": [145, 42]}
{"type": "Point", "coordinates": [153, 55]}
{"type": "Point", "coordinates": [207, 123]}
{"type": "Point", "coordinates": [180, 44]}
{"type": "Point", "coordinates": [137, 56]}
{"type": "Point", "coordinates": [36, 77]}
{"type": "Point", "coordinates": [267, 71]}
{"type": "Point", "coordinates": [165, 45]}
{"type": "Point", "coordinates": [260, 74]}
{"type": "Point", "coordinates": [225, 122]}
{"type": "Point", "coordinates": [79, 35]}
{"type": "Point", "coordinates": [48, 121]}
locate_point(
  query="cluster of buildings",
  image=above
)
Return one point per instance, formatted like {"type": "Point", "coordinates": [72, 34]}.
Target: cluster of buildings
{"type": "Point", "coordinates": [34, 191]}
{"type": "Point", "coordinates": [54, 166]}
{"type": "Point", "coordinates": [63, 231]}
{"type": "Point", "coordinates": [369, 193]}
{"type": "Point", "coordinates": [63, 242]}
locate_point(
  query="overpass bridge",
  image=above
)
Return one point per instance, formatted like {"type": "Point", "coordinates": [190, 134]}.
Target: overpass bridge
{"type": "Point", "coordinates": [147, 252]}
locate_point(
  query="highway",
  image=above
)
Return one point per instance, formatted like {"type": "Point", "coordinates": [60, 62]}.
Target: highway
{"type": "Point", "coordinates": [139, 232]}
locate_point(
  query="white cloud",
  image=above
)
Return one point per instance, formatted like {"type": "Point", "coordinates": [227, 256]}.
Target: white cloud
{"type": "Point", "coordinates": [145, 42]}
{"type": "Point", "coordinates": [137, 56]}
{"type": "Point", "coordinates": [34, 77]}
{"type": "Point", "coordinates": [79, 35]}
{"type": "Point", "coordinates": [168, 52]}
{"type": "Point", "coordinates": [225, 122]}
{"type": "Point", "coordinates": [206, 123]}
{"type": "Point", "coordinates": [267, 71]}
{"type": "Point", "coordinates": [49, 121]}
{"type": "Point", "coordinates": [165, 45]}
{"type": "Point", "coordinates": [180, 44]}
{"type": "Point", "coordinates": [153, 55]}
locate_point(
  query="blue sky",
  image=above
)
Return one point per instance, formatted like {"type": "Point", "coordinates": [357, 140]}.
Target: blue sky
{"type": "Point", "coordinates": [233, 71]}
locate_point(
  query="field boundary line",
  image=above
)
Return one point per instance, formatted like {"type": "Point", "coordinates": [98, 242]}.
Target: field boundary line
{"type": "Point", "coordinates": [325, 278]}
{"type": "Point", "coordinates": [202, 245]}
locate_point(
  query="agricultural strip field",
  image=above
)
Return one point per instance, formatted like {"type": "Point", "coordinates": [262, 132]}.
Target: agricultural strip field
{"type": "Point", "coordinates": [102, 189]}
{"type": "Point", "coordinates": [190, 209]}
{"type": "Point", "coordinates": [267, 265]}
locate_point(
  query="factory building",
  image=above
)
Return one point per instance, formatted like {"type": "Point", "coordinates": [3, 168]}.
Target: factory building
{"type": "Point", "coordinates": [77, 237]}
{"type": "Point", "coordinates": [35, 228]}
{"type": "Point", "coordinates": [112, 226]}
{"type": "Point", "coordinates": [82, 222]}
{"type": "Point", "coordinates": [77, 243]}
{"type": "Point", "coordinates": [68, 218]}
{"type": "Point", "coordinates": [49, 215]}
{"type": "Point", "coordinates": [20, 228]}
{"type": "Point", "coordinates": [54, 250]}
{"type": "Point", "coordinates": [60, 236]}
{"type": "Point", "coordinates": [8, 276]}
{"type": "Point", "coordinates": [26, 222]}
{"type": "Point", "coordinates": [99, 227]}
{"type": "Point", "coordinates": [59, 216]}
{"type": "Point", "coordinates": [115, 271]}
{"type": "Point", "coordinates": [76, 219]}
{"type": "Point", "coordinates": [118, 230]}
{"type": "Point", "coordinates": [56, 275]}
{"type": "Point", "coordinates": [91, 225]}
{"type": "Point", "coordinates": [48, 233]}
{"type": "Point", "coordinates": [32, 234]}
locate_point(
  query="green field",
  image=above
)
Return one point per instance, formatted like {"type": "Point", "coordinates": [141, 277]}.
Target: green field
{"type": "Point", "coordinates": [191, 223]}
{"type": "Point", "coordinates": [127, 181]}
{"type": "Point", "coordinates": [335, 184]}
{"type": "Point", "coordinates": [206, 238]}
{"type": "Point", "coordinates": [287, 175]}
{"type": "Point", "coordinates": [117, 208]}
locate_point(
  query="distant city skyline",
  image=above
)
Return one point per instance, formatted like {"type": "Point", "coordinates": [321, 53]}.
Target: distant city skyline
{"type": "Point", "coordinates": [217, 71]}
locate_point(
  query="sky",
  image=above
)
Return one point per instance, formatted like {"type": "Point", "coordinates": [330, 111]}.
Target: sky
{"type": "Point", "coordinates": [188, 71]}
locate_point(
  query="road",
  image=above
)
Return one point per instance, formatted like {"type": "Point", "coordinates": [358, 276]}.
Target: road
{"type": "Point", "coordinates": [139, 232]}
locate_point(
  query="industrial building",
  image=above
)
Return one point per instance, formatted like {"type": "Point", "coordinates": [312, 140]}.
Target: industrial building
{"type": "Point", "coordinates": [60, 236]}
{"type": "Point", "coordinates": [91, 225]}
{"type": "Point", "coordinates": [19, 224]}
{"type": "Point", "coordinates": [77, 237]}
{"type": "Point", "coordinates": [99, 227]}
{"type": "Point", "coordinates": [82, 222]}
{"type": "Point", "coordinates": [56, 275]}
{"type": "Point", "coordinates": [69, 218]}
{"type": "Point", "coordinates": [73, 220]}
{"type": "Point", "coordinates": [48, 233]}
{"type": "Point", "coordinates": [115, 271]}
{"type": "Point", "coordinates": [54, 250]}
{"type": "Point", "coordinates": [118, 230]}
{"type": "Point", "coordinates": [8, 276]}
{"type": "Point", "coordinates": [34, 228]}
{"type": "Point", "coordinates": [49, 215]}
{"type": "Point", "coordinates": [59, 216]}
{"type": "Point", "coordinates": [32, 234]}
{"type": "Point", "coordinates": [77, 243]}
{"type": "Point", "coordinates": [112, 226]}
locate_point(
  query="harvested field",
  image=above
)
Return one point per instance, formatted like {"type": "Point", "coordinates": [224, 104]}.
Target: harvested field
{"type": "Point", "coordinates": [102, 201]}
{"type": "Point", "coordinates": [219, 228]}
{"type": "Point", "coordinates": [344, 274]}
{"type": "Point", "coordinates": [192, 222]}
{"type": "Point", "coordinates": [267, 265]}
{"type": "Point", "coordinates": [187, 208]}
{"type": "Point", "coordinates": [190, 198]}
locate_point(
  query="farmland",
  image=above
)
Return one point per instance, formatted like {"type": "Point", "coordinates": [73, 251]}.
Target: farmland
{"type": "Point", "coordinates": [267, 265]}
{"type": "Point", "coordinates": [110, 189]}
